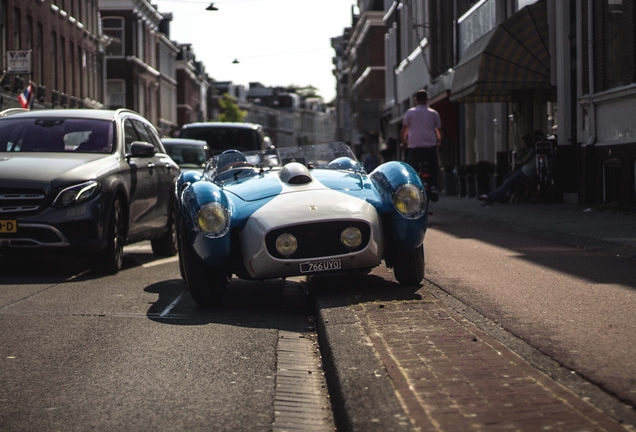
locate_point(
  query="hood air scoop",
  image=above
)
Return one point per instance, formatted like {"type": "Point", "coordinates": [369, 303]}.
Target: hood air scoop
{"type": "Point", "coordinates": [295, 173]}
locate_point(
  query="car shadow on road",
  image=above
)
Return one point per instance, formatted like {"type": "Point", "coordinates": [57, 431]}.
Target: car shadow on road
{"type": "Point", "coordinates": [268, 304]}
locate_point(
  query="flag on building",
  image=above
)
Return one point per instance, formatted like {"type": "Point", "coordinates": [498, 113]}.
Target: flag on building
{"type": "Point", "coordinates": [26, 97]}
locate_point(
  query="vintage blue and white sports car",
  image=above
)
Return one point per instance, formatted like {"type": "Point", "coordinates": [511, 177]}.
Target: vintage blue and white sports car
{"type": "Point", "coordinates": [307, 210]}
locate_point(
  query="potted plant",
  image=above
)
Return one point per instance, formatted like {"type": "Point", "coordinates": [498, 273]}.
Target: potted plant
{"type": "Point", "coordinates": [471, 190]}
{"type": "Point", "coordinates": [461, 180]}
{"type": "Point", "coordinates": [450, 179]}
{"type": "Point", "coordinates": [484, 170]}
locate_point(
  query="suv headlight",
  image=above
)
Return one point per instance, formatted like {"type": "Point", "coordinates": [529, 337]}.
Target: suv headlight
{"type": "Point", "coordinates": [213, 220]}
{"type": "Point", "coordinates": [77, 194]}
{"type": "Point", "coordinates": [409, 201]}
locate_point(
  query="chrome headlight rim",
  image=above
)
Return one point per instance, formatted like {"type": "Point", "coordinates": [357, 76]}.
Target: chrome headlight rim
{"type": "Point", "coordinates": [77, 194]}
{"type": "Point", "coordinates": [414, 206]}
{"type": "Point", "coordinates": [286, 244]}
{"type": "Point", "coordinates": [213, 220]}
{"type": "Point", "coordinates": [351, 238]}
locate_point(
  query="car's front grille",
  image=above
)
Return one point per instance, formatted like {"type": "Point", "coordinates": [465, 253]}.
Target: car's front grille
{"type": "Point", "coordinates": [320, 239]}
{"type": "Point", "coordinates": [20, 200]}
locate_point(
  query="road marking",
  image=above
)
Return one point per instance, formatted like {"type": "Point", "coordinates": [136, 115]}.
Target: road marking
{"type": "Point", "coordinates": [161, 262]}
{"type": "Point", "coordinates": [171, 305]}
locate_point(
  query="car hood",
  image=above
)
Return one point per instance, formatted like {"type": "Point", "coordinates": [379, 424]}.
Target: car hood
{"type": "Point", "coordinates": [51, 168]}
{"type": "Point", "coordinates": [269, 184]}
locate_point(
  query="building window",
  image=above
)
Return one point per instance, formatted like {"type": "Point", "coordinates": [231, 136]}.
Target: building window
{"type": "Point", "coordinates": [29, 32]}
{"type": "Point", "coordinates": [141, 27]}
{"type": "Point", "coordinates": [81, 66]}
{"type": "Point", "coordinates": [54, 57]}
{"type": "Point", "coordinates": [71, 57]}
{"type": "Point", "coordinates": [39, 54]}
{"type": "Point", "coordinates": [613, 44]}
{"type": "Point", "coordinates": [63, 83]}
{"type": "Point", "coordinates": [16, 29]}
{"type": "Point", "coordinates": [115, 93]}
{"type": "Point", "coordinates": [114, 29]}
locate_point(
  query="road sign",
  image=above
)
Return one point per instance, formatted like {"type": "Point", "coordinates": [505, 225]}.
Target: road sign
{"type": "Point", "coordinates": [19, 62]}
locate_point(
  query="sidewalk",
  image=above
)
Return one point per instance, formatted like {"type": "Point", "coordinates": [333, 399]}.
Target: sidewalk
{"type": "Point", "coordinates": [400, 359]}
{"type": "Point", "coordinates": [601, 231]}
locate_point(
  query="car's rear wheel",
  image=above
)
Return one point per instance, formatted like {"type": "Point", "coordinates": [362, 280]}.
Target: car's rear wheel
{"type": "Point", "coordinates": [109, 260]}
{"type": "Point", "coordinates": [207, 287]}
{"type": "Point", "coordinates": [167, 245]}
{"type": "Point", "coordinates": [409, 266]}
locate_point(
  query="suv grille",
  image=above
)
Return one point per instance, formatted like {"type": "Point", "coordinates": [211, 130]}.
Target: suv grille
{"type": "Point", "coordinates": [20, 200]}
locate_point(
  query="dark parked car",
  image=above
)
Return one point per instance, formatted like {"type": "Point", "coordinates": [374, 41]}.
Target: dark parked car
{"type": "Point", "coordinates": [224, 136]}
{"type": "Point", "coordinates": [85, 182]}
{"type": "Point", "coordinates": [187, 153]}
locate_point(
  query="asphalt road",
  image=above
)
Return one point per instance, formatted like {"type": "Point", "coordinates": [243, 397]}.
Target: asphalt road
{"type": "Point", "coordinates": [134, 352]}
{"type": "Point", "coordinates": [577, 307]}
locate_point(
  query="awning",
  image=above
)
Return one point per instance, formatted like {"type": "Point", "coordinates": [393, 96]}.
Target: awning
{"type": "Point", "coordinates": [513, 56]}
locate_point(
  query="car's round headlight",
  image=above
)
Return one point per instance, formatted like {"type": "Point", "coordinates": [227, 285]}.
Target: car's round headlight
{"type": "Point", "coordinates": [213, 220]}
{"type": "Point", "coordinates": [351, 237]}
{"type": "Point", "coordinates": [286, 244]}
{"type": "Point", "coordinates": [409, 201]}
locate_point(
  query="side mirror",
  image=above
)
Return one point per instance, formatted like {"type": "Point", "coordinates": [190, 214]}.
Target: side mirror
{"type": "Point", "coordinates": [142, 149]}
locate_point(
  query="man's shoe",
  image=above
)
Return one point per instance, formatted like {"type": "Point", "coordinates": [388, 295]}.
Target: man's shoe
{"type": "Point", "coordinates": [484, 197]}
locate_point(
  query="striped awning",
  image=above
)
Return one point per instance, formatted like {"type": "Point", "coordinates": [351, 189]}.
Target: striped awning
{"type": "Point", "coordinates": [513, 56]}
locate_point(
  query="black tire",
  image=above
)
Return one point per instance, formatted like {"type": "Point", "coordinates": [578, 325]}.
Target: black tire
{"type": "Point", "coordinates": [207, 287]}
{"type": "Point", "coordinates": [109, 260]}
{"type": "Point", "coordinates": [181, 257]}
{"type": "Point", "coordinates": [409, 266]}
{"type": "Point", "coordinates": [167, 245]}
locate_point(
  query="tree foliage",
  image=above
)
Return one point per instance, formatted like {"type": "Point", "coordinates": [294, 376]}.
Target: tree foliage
{"type": "Point", "coordinates": [230, 111]}
{"type": "Point", "coordinates": [305, 92]}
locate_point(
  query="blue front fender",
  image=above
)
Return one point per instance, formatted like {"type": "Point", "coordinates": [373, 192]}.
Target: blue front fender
{"type": "Point", "coordinates": [215, 252]}
{"type": "Point", "coordinates": [404, 233]}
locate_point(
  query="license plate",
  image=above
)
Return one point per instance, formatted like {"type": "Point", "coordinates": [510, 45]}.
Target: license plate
{"type": "Point", "coordinates": [320, 266]}
{"type": "Point", "coordinates": [8, 226]}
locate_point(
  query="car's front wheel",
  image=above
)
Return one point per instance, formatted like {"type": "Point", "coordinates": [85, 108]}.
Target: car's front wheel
{"type": "Point", "coordinates": [109, 260]}
{"type": "Point", "coordinates": [207, 287]}
{"type": "Point", "coordinates": [409, 266]}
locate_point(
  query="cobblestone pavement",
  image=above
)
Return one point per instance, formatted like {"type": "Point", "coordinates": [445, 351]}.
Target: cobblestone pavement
{"type": "Point", "coordinates": [445, 373]}
{"type": "Point", "coordinates": [450, 375]}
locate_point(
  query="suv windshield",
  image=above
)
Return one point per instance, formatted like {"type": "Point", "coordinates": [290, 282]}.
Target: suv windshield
{"type": "Point", "coordinates": [56, 135]}
{"type": "Point", "coordinates": [220, 138]}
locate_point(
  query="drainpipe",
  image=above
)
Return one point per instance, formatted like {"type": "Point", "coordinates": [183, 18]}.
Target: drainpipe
{"type": "Point", "coordinates": [590, 61]}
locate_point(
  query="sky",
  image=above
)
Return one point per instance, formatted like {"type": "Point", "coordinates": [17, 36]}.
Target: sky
{"type": "Point", "coordinates": [277, 42]}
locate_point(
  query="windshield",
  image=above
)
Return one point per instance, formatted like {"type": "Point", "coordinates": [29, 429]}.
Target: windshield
{"type": "Point", "coordinates": [337, 156]}
{"type": "Point", "coordinates": [56, 135]}
{"type": "Point", "coordinates": [221, 138]}
{"type": "Point", "coordinates": [187, 156]}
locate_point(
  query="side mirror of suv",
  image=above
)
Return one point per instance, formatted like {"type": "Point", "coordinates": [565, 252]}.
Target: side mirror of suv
{"type": "Point", "coordinates": [142, 149]}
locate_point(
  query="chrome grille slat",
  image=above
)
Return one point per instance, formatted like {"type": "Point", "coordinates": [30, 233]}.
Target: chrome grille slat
{"type": "Point", "coordinates": [12, 196]}
{"type": "Point", "coordinates": [14, 209]}
{"type": "Point", "coordinates": [20, 200]}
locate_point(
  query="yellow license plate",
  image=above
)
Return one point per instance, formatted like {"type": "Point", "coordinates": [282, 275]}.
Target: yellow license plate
{"type": "Point", "coordinates": [8, 226]}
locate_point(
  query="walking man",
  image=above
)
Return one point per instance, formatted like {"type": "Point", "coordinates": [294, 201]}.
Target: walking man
{"type": "Point", "coordinates": [421, 134]}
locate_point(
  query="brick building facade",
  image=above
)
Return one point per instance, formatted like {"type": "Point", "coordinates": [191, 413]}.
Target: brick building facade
{"type": "Point", "coordinates": [64, 40]}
